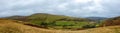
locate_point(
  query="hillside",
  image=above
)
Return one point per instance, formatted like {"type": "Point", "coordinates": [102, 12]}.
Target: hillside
{"type": "Point", "coordinates": [46, 18]}
{"type": "Point", "coordinates": [10, 26]}
{"type": "Point", "coordinates": [112, 21]}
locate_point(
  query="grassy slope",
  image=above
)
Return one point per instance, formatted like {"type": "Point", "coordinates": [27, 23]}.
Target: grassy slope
{"type": "Point", "coordinates": [45, 17]}
{"type": "Point", "coordinates": [9, 26]}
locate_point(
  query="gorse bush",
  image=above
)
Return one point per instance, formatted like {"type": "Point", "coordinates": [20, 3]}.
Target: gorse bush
{"type": "Point", "coordinates": [89, 26]}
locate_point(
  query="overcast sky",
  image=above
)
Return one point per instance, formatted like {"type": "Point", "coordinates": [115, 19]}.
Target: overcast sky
{"type": "Point", "coordinates": [77, 8]}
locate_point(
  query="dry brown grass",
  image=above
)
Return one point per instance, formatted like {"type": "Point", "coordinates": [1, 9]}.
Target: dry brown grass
{"type": "Point", "coordinates": [9, 26]}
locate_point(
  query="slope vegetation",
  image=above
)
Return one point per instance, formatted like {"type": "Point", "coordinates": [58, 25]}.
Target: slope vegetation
{"type": "Point", "coordinates": [10, 26]}
{"type": "Point", "coordinates": [112, 21]}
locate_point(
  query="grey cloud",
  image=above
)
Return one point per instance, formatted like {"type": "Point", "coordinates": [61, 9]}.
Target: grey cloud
{"type": "Point", "coordinates": [105, 8]}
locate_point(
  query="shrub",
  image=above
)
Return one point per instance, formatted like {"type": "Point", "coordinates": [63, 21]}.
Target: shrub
{"type": "Point", "coordinates": [89, 26]}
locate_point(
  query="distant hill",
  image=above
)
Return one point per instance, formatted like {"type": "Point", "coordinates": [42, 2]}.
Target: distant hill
{"type": "Point", "coordinates": [96, 19]}
{"type": "Point", "coordinates": [22, 18]}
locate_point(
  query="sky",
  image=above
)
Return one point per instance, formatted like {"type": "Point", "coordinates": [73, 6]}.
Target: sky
{"type": "Point", "coordinates": [76, 8]}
